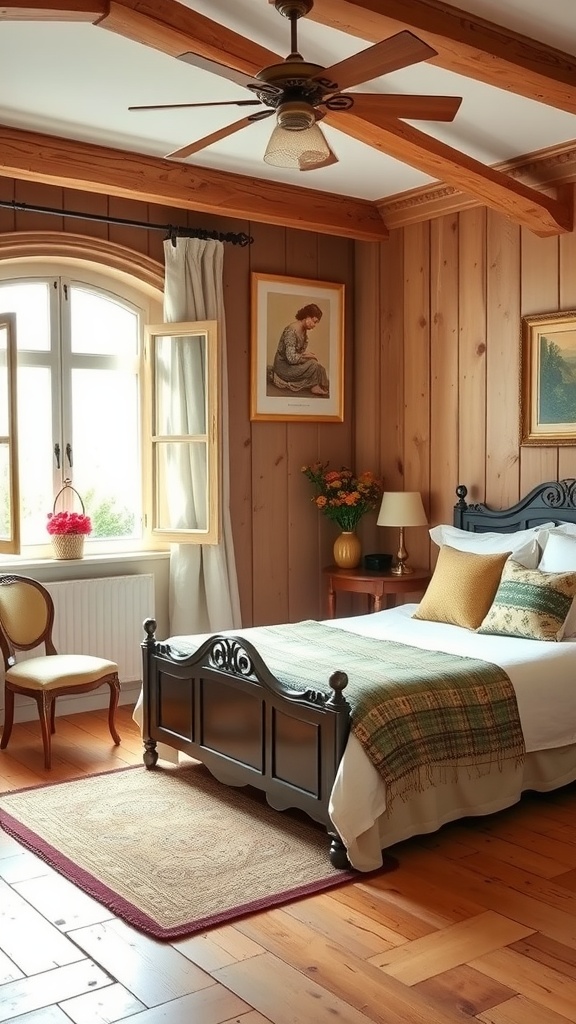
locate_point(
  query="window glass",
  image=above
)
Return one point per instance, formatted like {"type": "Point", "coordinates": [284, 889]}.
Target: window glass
{"type": "Point", "coordinates": [30, 300]}
{"type": "Point", "coordinates": [187, 507]}
{"type": "Point", "coordinates": [106, 455]}
{"type": "Point", "coordinates": [35, 451]}
{"type": "Point", "coordinates": [102, 325]}
{"type": "Point", "coordinates": [180, 378]}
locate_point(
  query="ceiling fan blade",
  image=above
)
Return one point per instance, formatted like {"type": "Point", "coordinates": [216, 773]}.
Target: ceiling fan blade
{"type": "Point", "coordinates": [218, 103]}
{"type": "Point", "coordinates": [205, 64]}
{"type": "Point", "coordinates": [399, 51]}
{"type": "Point", "coordinates": [222, 133]}
{"type": "Point", "coordinates": [416, 108]}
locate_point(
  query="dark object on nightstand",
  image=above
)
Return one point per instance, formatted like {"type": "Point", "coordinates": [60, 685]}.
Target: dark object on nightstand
{"type": "Point", "coordinates": [378, 563]}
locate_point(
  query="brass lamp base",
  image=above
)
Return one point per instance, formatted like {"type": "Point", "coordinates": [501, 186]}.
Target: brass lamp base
{"type": "Point", "coordinates": [401, 569]}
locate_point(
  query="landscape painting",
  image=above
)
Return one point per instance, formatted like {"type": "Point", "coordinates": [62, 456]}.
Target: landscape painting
{"type": "Point", "coordinates": [548, 411]}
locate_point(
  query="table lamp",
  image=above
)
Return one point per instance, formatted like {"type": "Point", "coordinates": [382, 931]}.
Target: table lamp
{"type": "Point", "coordinates": [401, 508]}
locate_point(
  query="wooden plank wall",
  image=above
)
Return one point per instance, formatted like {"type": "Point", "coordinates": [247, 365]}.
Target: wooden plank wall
{"type": "Point", "coordinates": [281, 541]}
{"type": "Point", "coordinates": [431, 376]}
{"type": "Point", "coordinates": [452, 294]}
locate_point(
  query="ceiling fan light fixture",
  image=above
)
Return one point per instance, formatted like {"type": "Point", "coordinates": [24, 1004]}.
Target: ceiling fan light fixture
{"type": "Point", "coordinates": [296, 149]}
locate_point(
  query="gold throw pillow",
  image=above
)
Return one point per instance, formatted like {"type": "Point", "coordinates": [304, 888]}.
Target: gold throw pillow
{"type": "Point", "coordinates": [462, 587]}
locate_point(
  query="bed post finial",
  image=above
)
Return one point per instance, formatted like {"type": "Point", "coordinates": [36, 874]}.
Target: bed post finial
{"type": "Point", "coordinates": [461, 492]}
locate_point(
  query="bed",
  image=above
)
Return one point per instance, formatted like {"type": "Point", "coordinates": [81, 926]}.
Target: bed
{"type": "Point", "coordinates": [252, 722]}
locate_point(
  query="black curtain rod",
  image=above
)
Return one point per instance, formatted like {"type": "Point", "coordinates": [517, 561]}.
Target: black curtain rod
{"type": "Point", "coordinates": [171, 232]}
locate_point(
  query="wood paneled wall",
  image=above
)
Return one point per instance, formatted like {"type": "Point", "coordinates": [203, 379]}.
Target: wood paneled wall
{"type": "Point", "coordinates": [445, 344]}
{"type": "Point", "coordinates": [280, 539]}
{"type": "Point", "coordinates": [432, 371]}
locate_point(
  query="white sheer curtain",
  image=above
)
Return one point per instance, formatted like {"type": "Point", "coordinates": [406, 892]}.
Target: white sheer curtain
{"type": "Point", "coordinates": [203, 582]}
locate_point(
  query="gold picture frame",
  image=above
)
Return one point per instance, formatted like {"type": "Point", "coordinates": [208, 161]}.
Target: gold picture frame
{"type": "Point", "coordinates": [548, 379]}
{"type": "Point", "coordinates": [297, 349]}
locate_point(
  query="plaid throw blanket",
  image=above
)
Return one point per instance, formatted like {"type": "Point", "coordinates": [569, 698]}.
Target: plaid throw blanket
{"type": "Point", "coordinates": [412, 710]}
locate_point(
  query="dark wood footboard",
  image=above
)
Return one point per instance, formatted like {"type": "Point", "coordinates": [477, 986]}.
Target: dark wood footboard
{"type": "Point", "coordinates": [223, 706]}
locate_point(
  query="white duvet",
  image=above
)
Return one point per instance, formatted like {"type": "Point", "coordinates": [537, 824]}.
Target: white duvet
{"type": "Point", "coordinates": [543, 675]}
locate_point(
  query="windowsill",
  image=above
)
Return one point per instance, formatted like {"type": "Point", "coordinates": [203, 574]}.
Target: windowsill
{"type": "Point", "coordinates": [12, 563]}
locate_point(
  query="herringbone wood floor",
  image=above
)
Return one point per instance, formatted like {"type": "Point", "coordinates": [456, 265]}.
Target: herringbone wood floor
{"type": "Point", "coordinates": [478, 923]}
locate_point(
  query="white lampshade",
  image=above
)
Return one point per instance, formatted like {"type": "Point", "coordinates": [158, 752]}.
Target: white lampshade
{"type": "Point", "coordinates": [298, 149]}
{"type": "Point", "coordinates": [402, 508]}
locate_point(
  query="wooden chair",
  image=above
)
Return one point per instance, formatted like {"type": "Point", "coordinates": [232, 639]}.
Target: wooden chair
{"type": "Point", "coordinates": [26, 620]}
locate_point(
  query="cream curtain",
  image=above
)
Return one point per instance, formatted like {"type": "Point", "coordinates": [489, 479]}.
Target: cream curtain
{"type": "Point", "coordinates": [203, 582]}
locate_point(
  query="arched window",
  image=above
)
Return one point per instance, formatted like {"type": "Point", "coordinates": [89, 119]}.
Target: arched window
{"type": "Point", "coordinates": [79, 332]}
{"type": "Point", "coordinates": [123, 412]}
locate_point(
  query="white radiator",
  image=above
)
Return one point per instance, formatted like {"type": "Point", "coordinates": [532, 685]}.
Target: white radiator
{"type": "Point", "coordinates": [104, 617]}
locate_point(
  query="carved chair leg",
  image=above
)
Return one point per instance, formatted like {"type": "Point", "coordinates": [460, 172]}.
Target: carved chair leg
{"type": "Point", "coordinates": [45, 702]}
{"type": "Point", "coordinates": [8, 716]}
{"type": "Point", "coordinates": [53, 717]}
{"type": "Point", "coordinates": [114, 697]}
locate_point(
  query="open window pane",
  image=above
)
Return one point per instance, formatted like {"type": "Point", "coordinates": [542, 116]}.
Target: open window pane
{"type": "Point", "coordinates": [183, 453]}
{"type": "Point", "coordinates": [9, 521]}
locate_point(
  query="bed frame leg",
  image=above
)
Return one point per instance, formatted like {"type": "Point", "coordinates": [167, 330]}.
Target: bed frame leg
{"type": "Point", "coordinates": [150, 755]}
{"type": "Point", "coordinates": [338, 855]}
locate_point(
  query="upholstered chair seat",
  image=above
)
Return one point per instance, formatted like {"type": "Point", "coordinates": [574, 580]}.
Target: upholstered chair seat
{"type": "Point", "coordinates": [60, 670]}
{"type": "Point", "coordinates": [26, 621]}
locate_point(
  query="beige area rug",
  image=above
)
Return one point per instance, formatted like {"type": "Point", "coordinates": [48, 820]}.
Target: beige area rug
{"type": "Point", "coordinates": [172, 851]}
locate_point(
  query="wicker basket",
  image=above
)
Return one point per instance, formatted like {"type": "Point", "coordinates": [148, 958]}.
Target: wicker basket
{"type": "Point", "coordinates": [68, 545]}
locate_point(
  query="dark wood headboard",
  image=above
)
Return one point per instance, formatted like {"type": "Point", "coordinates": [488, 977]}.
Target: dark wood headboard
{"type": "Point", "coordinates": [554, 501]}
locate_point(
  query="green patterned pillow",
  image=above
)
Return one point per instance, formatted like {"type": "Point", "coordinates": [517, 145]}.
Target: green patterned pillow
{"type": "Point", "coordinates": [530, 603]}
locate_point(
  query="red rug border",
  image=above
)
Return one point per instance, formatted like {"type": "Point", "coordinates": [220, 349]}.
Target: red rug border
{"type": "Point", "coordinates": [127, 911]}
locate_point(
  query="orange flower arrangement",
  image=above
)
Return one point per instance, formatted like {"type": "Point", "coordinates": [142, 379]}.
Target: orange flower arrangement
{"type": "Point", "coordinates": [343, 496]}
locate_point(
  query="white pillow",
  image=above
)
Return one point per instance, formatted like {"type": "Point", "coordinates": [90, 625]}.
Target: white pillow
{"type": "Point", "coordinates": [562, 530]}
{"type": "Point", "coordinates": [560, 556]}
{"type": "Point", "coordinates": [523, 544]}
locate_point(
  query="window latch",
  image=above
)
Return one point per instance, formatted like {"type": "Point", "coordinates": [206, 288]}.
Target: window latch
{"type": "Point", "coordinates": [57, 455]}
{"type": "Point", "coordinates": [69, 454]}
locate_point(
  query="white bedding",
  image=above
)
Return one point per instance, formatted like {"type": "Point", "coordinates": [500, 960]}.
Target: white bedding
{"type": "Point", "coordinates": [543, 675]}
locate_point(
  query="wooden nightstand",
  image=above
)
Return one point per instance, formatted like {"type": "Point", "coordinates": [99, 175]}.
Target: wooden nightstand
{"type": "Point", "coordinates": [375, 584]}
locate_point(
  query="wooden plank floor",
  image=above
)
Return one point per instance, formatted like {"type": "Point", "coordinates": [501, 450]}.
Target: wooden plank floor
{"type": "Point", "coordinates": [477, 924]}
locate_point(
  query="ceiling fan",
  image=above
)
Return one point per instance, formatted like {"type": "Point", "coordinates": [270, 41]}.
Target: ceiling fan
{"type": "Point", "coordinates": [302, 93]}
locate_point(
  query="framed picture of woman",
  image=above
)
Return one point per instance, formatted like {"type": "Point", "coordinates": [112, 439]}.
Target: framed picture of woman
{"type": "Point", "coordinates": [297, 359]}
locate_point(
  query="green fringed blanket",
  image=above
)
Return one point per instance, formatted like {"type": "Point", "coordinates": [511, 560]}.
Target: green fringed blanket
{"type": "Point", "coordinates": [413, 710]}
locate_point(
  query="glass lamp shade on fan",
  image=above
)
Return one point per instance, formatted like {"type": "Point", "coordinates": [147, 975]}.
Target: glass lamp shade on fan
{"type": "Point", "coordinates": [297, 149]}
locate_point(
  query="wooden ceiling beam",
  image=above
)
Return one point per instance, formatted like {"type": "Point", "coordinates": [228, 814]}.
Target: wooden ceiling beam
{"type": "Point", "coordinates": [50, 10]}
{"type": "Point", "coordinates": [175, 29]}
{"type": "Point", "coordinates": [465, 44]}
{"type": "Point", "coordinates": [535, 210]}
{"type": "Point", "coordinates": [90, 168]}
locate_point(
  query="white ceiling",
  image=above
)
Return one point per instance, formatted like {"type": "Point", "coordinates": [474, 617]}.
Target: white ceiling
{"type": "Point", "coordinates": [78, 80]}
